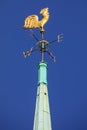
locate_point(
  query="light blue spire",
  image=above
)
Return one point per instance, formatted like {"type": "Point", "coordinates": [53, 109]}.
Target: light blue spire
{"type": "Point", "coordinates": [42, 73]}
{"type": "Point", "coordinates": [42, 118]}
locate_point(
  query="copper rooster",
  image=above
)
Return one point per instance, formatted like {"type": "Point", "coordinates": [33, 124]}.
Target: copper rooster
{"type": "Point", "coordinates": [32, 21]}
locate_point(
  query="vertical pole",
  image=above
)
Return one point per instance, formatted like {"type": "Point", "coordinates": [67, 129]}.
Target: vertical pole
{"type": "Point", "coordinates": [42, 33]}
{"type": "Point", "coordinates": [42, 55]}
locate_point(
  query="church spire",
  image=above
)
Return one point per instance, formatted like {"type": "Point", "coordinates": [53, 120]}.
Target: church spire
{"type": "Point", "coordinates": [42, 118]}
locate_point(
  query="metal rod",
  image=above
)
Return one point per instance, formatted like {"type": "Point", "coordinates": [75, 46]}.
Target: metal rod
{"type": "Point", "coordinates": [42, 55]}
{"type": "Point", "coordinates": [53, 41]}
{"type": "Point", "coordinates": [34, 35]}
{"type": "Point", "coordinates": [42, 47]}
{"type": "Point", "coordinates": [42, 35]}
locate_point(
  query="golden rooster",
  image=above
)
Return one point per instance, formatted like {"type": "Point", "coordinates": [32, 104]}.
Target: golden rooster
{"type": "Point", "coordinates": [32, 21]}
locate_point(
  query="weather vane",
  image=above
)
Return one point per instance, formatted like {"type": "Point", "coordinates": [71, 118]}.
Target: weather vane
{"type": "Point", "coordinates": [32, 21]}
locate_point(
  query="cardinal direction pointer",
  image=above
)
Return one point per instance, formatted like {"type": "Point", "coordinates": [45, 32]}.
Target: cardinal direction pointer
{"type": "Point", "coordinates": [33, 35]}
{"type": "Point", "coordinates": [60, 38]}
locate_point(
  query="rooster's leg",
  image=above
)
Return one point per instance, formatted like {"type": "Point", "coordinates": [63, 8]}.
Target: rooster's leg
{"type": "Point", "coordinates": [42, 30]}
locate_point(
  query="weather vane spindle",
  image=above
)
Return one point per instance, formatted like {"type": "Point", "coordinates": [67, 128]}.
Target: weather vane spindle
{"type": "Point", "coordinates": [32, 21]}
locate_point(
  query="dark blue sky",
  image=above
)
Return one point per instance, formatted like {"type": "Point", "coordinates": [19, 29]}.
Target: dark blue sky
{"type": "Point", "coordinates": [67, 78]}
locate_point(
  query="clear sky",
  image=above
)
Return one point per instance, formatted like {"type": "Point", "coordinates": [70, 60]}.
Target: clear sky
{"type": "Point", "coordinates": [67, 78]}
